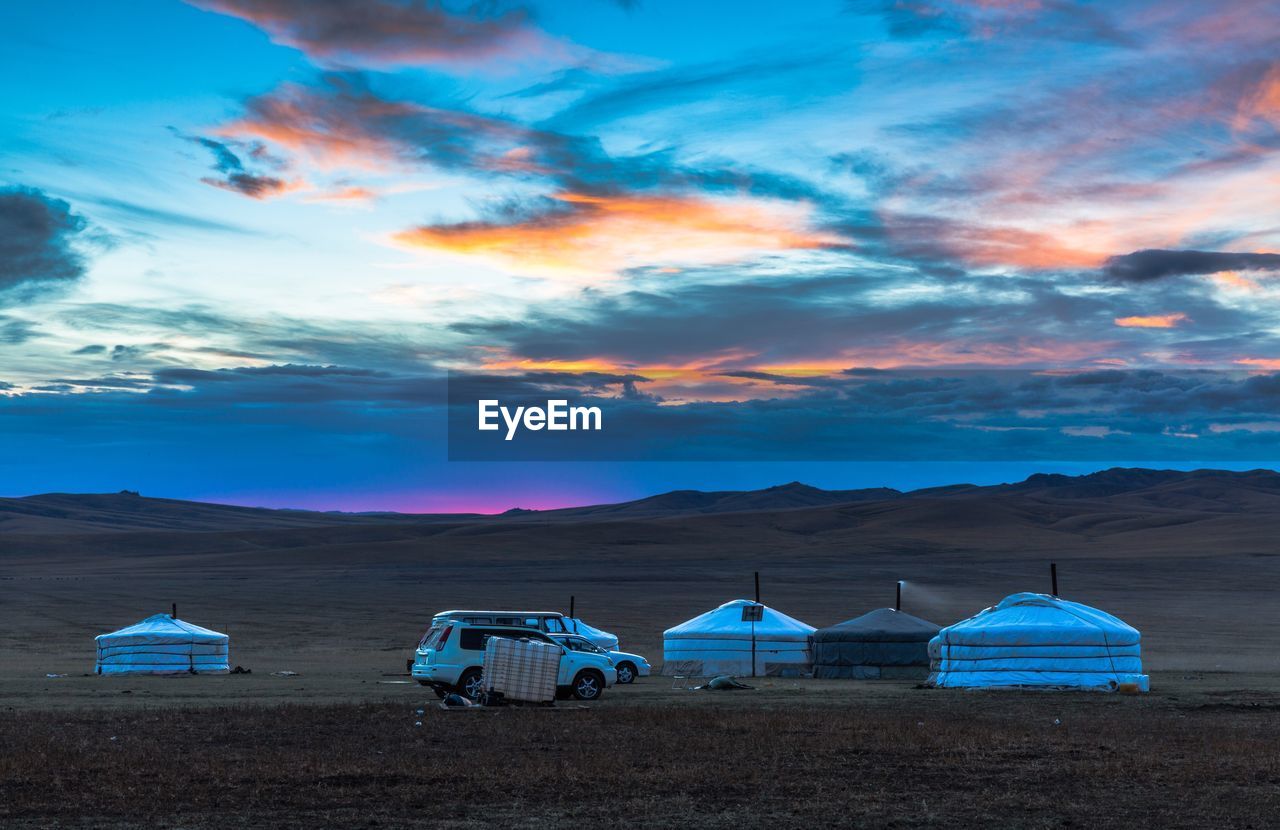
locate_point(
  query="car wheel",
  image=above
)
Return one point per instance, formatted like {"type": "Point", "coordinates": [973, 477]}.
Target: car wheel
{"type": "Point", "coordinates": [588, 685]}
{"type": "Point", "coordinates": [440, 693]}
{"type": "Point", "coordinates": [626, 673]}
{"type": "Point", "coordinates": [471, 684]}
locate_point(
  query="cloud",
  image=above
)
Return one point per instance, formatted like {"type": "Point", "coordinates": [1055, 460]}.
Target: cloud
{"type": "Point", "coordinates": [1033, 19]}
{"type": "Point", "coordinates": [602, 213]}
{"type": "Point", "coordinates": [1153, 321]}
{"type": "Point", "coordinates": [344, 123]}
{"type": "Point", "coordinates": [793, 78]}
{"type": "Point", "coordinates": [1148, 265]}
{"type": "Point", "coordinates": [15, 330]}
{"type": "Point", "coordinates": [386, 33]}
{"type": "Point", "coordinates": [151, 215]}
{"type": "Point", "coordinates": [38, 236]}
{"type": "Point", "coordinates": [234, 176]}
{"type": "Point", "coordinates": [578, 235]}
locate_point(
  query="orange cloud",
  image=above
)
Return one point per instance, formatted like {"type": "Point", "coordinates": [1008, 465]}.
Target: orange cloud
{"type": "Point", "coordinates": [331, 131]}
{"type": "Point", "coordinates": [600, 236]}
{"type": "Point", "coordinates": [1155, 321]}
{"type": "Point", "coordinates": [1027, 249]}
{"type": "Point", "coordinates": [1263, 363]}
{"type": "Point", "coordinates": [1262, 102]}
{"type": "Point", "coordinates": [350, 195]}
{"type": "Point", "coordinates": [1233, 279]}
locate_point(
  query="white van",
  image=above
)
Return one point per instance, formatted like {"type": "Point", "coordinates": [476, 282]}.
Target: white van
{"type": "Point", "coordinates": [548, 622]}
{"type": "Point", "coordinates": [551, 622]}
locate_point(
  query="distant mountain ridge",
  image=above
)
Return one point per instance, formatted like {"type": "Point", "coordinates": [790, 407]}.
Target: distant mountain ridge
{"type": "Point", "coordinates": [1103, 495]}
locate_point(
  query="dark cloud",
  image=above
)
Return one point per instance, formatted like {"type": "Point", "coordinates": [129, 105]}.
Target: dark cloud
{"type": "Point", "coordinates": [15, 330]}
{"type": "Point", "coordinates": [345, 118]}
{"type": "Point", "coordinates": [384, 32]}
{"type": "Point", "coordinates": [957, 416]}
{"type": "Point", "coordinates": [233, 175]}
{"type": "Point", "coordinates": [300, 384]}
{"type": "Point", "coordinates": [94, 349]}
{"type": "Point", "coordinates": [1044, 19]}
{"type": "Point", "coordinates": [38, 236]}
{"type": "Point", "coordinates": [1145, 266]}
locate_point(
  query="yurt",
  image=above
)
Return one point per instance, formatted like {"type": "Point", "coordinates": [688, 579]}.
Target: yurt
{"type": "Point", "coordinates": [1038, 640]}
{"type": "Point", "coordinates": [885, 643]}
{"type": "Point", "coordinates": [162, 645]}
{"type": "Point", "coordinates": [741, 638]}
{"type": "Point", "coordinates": [602, 638]}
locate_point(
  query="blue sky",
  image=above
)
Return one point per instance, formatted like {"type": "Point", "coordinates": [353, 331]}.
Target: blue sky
{"type": "Point", "coordinates": [243, 242]}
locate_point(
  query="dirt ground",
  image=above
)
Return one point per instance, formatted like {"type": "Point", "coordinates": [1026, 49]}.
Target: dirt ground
{"type": "Point", "coordinates": [1201, 751]}
{"type": "Point", "coordinates": [335, 744]}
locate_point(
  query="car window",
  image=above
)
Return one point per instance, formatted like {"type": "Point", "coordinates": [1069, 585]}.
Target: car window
{"type": "Point", "coordinates": [556, 625]}
{"type": "Point", "coordinates": [430, 636]}
{"type": "Point", "coordinates": [473, 639]}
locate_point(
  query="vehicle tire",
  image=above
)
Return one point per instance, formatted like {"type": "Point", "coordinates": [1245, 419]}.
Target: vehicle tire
{"type": "Point", "coordinates": [588, 685]}
{"type": "Point", "coordinates": [471, 684]}
{"type": "Point", "coordinates": [627, 673]}
{"type": "Point", "coordinates": [440, 693]}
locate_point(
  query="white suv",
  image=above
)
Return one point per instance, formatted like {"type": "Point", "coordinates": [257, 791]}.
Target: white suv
{"type": "Point", "coordinates": [450, 658]}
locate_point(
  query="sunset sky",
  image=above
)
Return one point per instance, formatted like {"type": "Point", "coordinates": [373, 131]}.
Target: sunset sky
{"type": "Point", "coordinates": [243, 242]}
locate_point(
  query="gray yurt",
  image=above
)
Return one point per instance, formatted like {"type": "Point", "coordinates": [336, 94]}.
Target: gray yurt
{"type": "Point", "coordinates": [880, 644]}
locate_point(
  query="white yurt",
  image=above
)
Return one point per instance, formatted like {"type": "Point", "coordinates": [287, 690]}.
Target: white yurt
{"type": "Point", "coordinates": [720, 642]}
{"type": "Point", "coordinates": [1038, 640]}
{"type": "Point", "coordinates": [162, 644]}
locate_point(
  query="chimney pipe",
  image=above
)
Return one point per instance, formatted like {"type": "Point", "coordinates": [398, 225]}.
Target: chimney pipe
{"type": "Point", "coordinates": [757, 587]}
{"type": "Point", "coordinates": [1053, 576]}
{"type": "Point", "coordinates": [173, 615]}
{"type": "Point", "coordinates": [897, 605]}
{"type": "Point", "coordinates": [571, 607]}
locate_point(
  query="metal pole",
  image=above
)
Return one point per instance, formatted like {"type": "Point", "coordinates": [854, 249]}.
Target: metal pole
{"type": "Point", "coordinates": [571, 605]}
{"type": "Point", "coordinates": [753, 628]}
{"type": "Point", "coordinates": [174, 614]}
{"type": "Point", "coordinates": [1053, 575]}
{"type": "Point", "coordinates": [897, 605]}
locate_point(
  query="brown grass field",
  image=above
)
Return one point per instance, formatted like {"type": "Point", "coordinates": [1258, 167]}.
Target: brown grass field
{"type": "Point", "coordinates": [342, 601]}
{"type": "Point", "coordinates": [788, 755]}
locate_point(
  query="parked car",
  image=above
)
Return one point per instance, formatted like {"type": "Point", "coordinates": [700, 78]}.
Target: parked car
{"type": "Point", "coordinates": [629, 666]}
{"type": "Point", "coordinates": [450, 658]}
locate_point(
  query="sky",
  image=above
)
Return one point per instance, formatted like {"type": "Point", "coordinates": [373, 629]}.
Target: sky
{"type": "Point", "coordinates": [253, 250]}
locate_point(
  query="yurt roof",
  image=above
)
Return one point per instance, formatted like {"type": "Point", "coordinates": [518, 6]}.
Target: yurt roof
{"type": "Point", "coordinates": [725, 622]}
{"type": "Point", "coordinates": [160, 627]}
{"type": "Point", "coordinates": [1027, 618]}
{"type": "Point", "coordinates": [885, 625]}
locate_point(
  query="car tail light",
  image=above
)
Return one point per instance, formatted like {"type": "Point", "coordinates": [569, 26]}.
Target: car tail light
{"type": "Point", "coordinates": [444, 636]}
